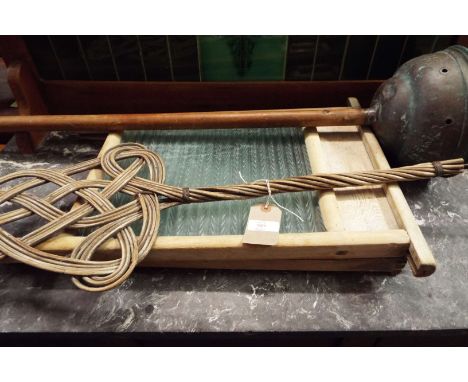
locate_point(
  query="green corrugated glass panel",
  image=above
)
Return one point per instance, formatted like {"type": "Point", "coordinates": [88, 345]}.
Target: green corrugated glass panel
{"type": "Point", "coordinates": [235, 58]}
{"type": "Point", "coordinates": [215, 157]}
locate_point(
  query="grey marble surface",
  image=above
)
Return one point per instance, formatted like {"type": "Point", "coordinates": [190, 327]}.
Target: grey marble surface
{"type": "Point", "coordinates": [155, 300]}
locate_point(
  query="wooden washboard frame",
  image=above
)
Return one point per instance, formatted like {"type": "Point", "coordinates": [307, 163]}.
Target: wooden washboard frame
{"type": "Point", "coordinates": [378, 239]}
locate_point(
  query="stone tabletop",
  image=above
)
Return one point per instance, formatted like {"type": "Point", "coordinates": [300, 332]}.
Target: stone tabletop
{"type": "Point", "coordinates": [160, 300]}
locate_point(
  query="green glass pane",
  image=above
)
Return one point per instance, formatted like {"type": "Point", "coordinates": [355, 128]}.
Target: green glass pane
{"type": "Point", "coordinates": [237, 58]}
{"type": "Point", "coordinates": [215, 157]}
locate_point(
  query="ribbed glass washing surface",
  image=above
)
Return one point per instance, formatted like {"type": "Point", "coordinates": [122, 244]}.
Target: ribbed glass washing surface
{"type": "Point", "coordinates": [196, 158]}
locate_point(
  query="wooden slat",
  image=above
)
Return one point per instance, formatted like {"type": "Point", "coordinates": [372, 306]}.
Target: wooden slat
{"type": "Point", "coordinates": [421, 258]}
{"type": "Point", "coordinates": [366, 209]}
{"type": "Point", "coordinates": [385, 264]}
{"type": "Point", "coordinates": [391, 264]}
{"type": "Point", "coordinates": [327, 199]}
{"type": "Point", "coordinates": [314, 245]}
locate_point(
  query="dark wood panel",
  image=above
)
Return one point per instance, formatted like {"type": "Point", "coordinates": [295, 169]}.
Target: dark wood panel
{"type": "Point", "coordinates": [127, 57]}
{"type": "Point", "coordinates": [87, 97]}
{"type": "Point", "coordinates": [300, 58]}
{"type": "Point", "coordinates": [97, 53]}
{"type": "Point", "coordinates": [6, 96]}
{"type": "Point", "coordinates": [359, 57]}
{"type": "Point", "coordinates": [22, 77]}
{"type": "Point", "coordinates": [184, 58]}
{"type": "Point", "coordinates": [155, 53]}
{"type": "Point", "coordinates": [329, 62]}
{"type": "Point", "coordinates": [6, 99]}
{"type": "Point", "coordinates": [68, 52]}
{"type": "Point", "coordinates": [25, 88]}
{"type": "Point", "coordinates": [14, 49]}
{"type": "Point", "coordinates": [45, 57]}
{"type": "Point", "coordinates": [462, 40]}
{"type": "Point", "coordinates": [387, 56]}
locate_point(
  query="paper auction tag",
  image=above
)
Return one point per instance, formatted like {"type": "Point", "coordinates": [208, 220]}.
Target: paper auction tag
{"type": "Point", "coordinates": [263, 225]}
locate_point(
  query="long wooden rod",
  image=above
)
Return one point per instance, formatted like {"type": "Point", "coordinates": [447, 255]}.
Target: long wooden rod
{"type": "Point", "coordinates": [194, 120]}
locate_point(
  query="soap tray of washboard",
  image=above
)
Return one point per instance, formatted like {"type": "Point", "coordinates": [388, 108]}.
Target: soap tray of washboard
{"type": "Point", "coordinates": [368, 229]}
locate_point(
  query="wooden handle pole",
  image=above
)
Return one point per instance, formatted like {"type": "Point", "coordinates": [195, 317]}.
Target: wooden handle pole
{"type": "Point", "coordinates": [193, 120]}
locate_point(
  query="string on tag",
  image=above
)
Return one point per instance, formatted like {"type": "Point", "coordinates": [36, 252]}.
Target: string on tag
{"type": "Point", "coordinates": [270, 196]}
